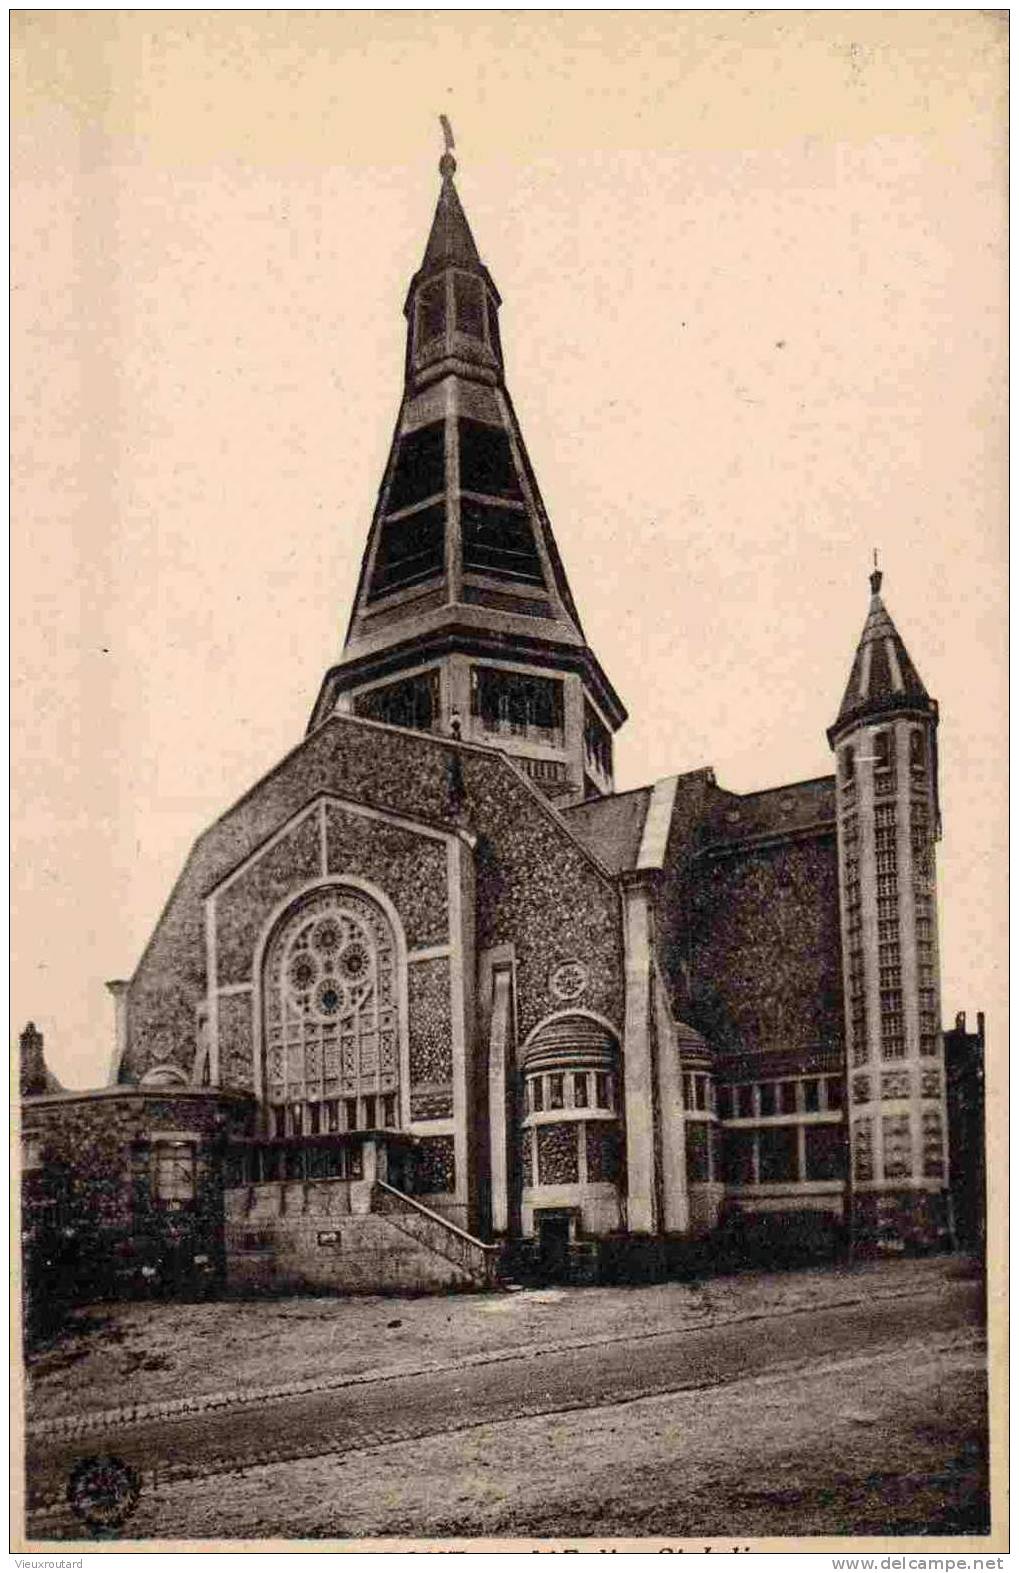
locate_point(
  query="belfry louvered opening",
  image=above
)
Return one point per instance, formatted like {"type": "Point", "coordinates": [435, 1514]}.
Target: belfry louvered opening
{"type": "Point", "coordinates": [486, 461]}
{"type": "Point", "coordinates": [499, 541]}
{"type": "Point", "coordinates": [420, 468]}
{"type": "Point", "coordinates": [411, 549]}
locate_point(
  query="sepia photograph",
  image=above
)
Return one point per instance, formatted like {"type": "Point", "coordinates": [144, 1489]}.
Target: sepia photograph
{"type": "Point", "coordinates": [509, 780]}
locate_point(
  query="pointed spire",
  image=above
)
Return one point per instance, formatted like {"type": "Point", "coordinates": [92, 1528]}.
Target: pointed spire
{"type": "Point", "coordinates": [450, 242]}
{"type": "Point", "coordinates": [461, 575]}
{"type": "Point", "coordinates": [883, 676]}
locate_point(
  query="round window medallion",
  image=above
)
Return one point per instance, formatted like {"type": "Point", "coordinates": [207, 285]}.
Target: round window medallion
{"type": "Point", "coordinates": [303, 972]}
{"type": "Point", "coordinates": [569, 981]}
{"type": "Point", "coordinates": [330, 997]}
{"type": "Point", "coordinates": [327, 935]}
{"type": "Point", "coordinates": [354, 962]}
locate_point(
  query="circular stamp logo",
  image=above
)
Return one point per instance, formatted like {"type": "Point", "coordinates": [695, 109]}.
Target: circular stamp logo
{"type": "Point", "coordinates": [103, 1491]}
{"type": "Point", "coordinates": [569, 981]}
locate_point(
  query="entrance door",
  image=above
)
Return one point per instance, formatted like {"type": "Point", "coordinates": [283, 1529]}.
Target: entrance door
{"type": "Point", "coordinates": [554, 1245]}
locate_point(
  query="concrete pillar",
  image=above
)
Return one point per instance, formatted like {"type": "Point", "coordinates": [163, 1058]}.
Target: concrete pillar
{"type": "Point", "coordinates": [675, 1200]}
{"type": "Point", "coordinates": [638, 1076]}
{"type": "Point", "coordinates": [118, 987]}
{"type": "Point", "coordinates": [456, 678]}
{"type": "Point", "coordinates": [573, 732]}
{"type": "Point", "coordinates": [500, 1043]}
{"type": "Point", "coordinates": [462, 965]}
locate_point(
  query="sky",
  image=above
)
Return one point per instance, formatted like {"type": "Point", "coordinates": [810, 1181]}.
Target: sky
{"type": "Point", "coordinates": [753, 269]}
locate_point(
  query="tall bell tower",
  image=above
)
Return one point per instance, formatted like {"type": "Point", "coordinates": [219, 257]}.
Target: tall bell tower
{"type": "Point", "coordinates": [885, 744]}
{"type": "Point", "coordinates": [463, 621]}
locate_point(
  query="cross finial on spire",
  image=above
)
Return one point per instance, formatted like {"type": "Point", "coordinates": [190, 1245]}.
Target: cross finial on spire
{"type": "Point", "coordinates": [876, 576]}
{"type": "Point", "coordinates": [447, 163]}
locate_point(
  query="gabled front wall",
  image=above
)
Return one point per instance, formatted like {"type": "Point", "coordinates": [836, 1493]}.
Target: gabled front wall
{"type": "Point", "coordinates": [469, 860]}
{"type": "Point", "coordinates": [329, 842]}
{"type": "Point", "coordinates": [536, 886]}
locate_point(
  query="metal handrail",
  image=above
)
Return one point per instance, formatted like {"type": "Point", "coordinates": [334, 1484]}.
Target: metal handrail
{"type": "Point", "coordinates": [438, 1218]}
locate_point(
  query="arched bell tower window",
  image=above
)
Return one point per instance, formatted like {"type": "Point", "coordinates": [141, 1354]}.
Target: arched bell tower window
{"type": "Point", "coordinates": [431, 317]}
{"type": "Point", "coordinates": [331, 1017]}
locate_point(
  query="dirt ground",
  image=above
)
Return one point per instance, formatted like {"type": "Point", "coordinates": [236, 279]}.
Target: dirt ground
{"type": "Point", "coordinates": [889, 1443]}
{"type": "Point", "coordinates": [112, 1355]}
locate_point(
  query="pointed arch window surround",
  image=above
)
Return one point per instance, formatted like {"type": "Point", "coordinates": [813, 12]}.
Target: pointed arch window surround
{"type": "Point", "coordinates": [330, 999]}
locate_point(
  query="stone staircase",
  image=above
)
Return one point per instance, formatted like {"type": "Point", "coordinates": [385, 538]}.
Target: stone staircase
{"type": "Point", "coordinates": [336, 1236]}
{"type": "Point", "coordinates": [472, 1256]}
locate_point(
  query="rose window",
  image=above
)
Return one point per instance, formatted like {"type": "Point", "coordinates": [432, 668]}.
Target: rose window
{"type": "Point", "coordinates": [329, 998]}
{"type": "Point", "coordinates": [354, 962]}
{"type": "Point", "coordinates": [303, 973]}
{"type": "Point", "coordinates": [330, 1001]}
{"type": "Point", "coordinates": [327, 936]}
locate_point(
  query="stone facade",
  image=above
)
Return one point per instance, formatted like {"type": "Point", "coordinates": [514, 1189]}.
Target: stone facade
{"type": "Point", "coordinates": [431, 987]}
{"type": "Point", "coordinates": [764, 960]}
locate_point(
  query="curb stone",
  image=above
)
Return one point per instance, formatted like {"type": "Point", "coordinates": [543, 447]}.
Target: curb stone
{"type": "Point", "coordinates": [69, 1427]}
{"type": "Point", "coordinates": [169, 1474]}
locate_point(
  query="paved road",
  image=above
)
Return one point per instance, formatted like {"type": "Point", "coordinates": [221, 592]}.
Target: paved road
{"type": "Point", "coordinates": [404, 1407]}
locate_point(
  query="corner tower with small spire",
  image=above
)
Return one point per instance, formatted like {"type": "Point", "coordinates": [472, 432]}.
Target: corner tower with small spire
{"type": "Point", "coordinates": [885, 744]}
{"type": "Point", "coordinates": [463, 621]}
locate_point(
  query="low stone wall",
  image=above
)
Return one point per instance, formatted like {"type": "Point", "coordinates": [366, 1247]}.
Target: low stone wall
{"type": "Point", "coordinates": [296, 1237]}
{"type": "Point", "coordinates": [93, 1226]}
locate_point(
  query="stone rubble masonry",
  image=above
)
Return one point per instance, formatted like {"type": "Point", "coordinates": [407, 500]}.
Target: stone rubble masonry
{"type": "Point", "coordinates": [85, 1196]}
{"type": "Point", "coordinates": [537, 888]}
{"type": "Point", "coordinates": [242, 908]}
{"type": "Point", "coordinates": [765, 949]}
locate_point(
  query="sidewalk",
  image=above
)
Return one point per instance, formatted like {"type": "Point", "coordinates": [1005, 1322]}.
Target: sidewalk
{"type": "Point", "coordinates": [142, 1355]}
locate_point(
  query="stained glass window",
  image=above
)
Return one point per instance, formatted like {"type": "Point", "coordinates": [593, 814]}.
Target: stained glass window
{"type": "Point", "coordinates": [330, 1006]}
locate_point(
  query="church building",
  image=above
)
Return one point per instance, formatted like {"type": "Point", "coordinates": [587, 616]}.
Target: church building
{"type": "Point", "coordinates": [432, 1002]}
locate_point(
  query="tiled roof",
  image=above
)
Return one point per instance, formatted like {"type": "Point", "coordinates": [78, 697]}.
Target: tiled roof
{"type": "Point", "coordinates": [776, 811]}
{"type": "Point", "coordinates": [883, 675]}
{"type": "Point", "coordinates": [612, 827]}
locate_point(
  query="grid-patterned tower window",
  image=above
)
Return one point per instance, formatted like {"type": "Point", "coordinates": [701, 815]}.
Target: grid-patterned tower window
{"type": "Point", "coordinates": [886, 785]}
